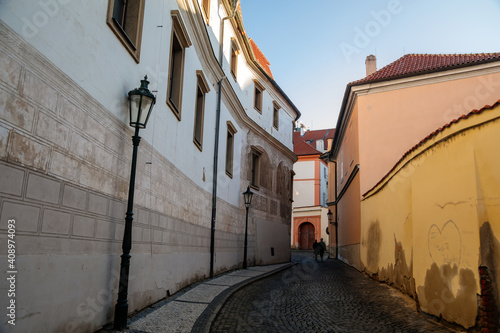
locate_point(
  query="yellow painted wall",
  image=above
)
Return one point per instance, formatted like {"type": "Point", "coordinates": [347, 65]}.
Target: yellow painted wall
{"type": "Point", "coordinates": [436, 218]}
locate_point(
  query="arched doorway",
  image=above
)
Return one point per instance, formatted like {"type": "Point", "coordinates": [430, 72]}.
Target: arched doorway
{"type": "Point", "coordinates": [306, 236]}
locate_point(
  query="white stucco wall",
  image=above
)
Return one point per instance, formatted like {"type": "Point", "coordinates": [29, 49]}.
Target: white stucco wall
{"type": "Point", "coordinates": [303, 193]}
{"type": "Point", "coordinates": [304, 170]}
{"type": "Point", "coordinates": [79, 131]}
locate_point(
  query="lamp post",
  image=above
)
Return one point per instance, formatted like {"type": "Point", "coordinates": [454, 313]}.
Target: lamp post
{"type": "Point", "coordinates": [330, 219]}
{"type": "Point", "coordinates": [248, 200]}
{"type": "Point", "coordinates": [141, 102]}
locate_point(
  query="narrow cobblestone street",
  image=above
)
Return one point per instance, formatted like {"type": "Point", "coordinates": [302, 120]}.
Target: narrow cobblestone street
{"type": "Point", "coordinates": [327, 296]}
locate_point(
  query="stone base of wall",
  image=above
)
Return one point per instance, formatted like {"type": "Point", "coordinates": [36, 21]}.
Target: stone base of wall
{"type": "Point", "coordinates": [68, 246]}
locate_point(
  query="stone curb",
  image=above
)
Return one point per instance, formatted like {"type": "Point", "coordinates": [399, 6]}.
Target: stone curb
{"type": "Point", "coordinates": [205, 320]}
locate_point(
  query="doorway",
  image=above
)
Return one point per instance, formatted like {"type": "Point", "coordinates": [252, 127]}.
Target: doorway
{"type": "Point", "coordinates": [306, 236]}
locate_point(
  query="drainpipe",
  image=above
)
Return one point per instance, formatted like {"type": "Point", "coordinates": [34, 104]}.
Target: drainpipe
{"type": "Point", "coordinates": [336, 214]}
{"type": "Point", "coordinates": [234, 6]}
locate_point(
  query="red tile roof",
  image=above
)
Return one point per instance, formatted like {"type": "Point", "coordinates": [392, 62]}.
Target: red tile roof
{"type": "Point", "coordinates": [315, 135]}
{"type": "Point", "coordinates": [261, 58]}
{"type": "Point", "coordinates": [433, 134]}
{"type": "Point", "coordinates": [305, 145]}
{"type": "Point", "coordinates": [302, 148]}
{"type": "Point", "coordinates": [415, 64]}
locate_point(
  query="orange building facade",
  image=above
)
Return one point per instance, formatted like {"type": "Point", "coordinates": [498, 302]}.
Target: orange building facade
{"type": "Point", "coordinates": [309, 215]}
{"type": "Point", "coordinates": [411, 223]}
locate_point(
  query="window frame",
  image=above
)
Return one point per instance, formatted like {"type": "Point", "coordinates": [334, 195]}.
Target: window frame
{"type": "Point", "coordinates": [235, 51]}
{"type": "Point", "coordinates": [255, 163]}
{"type": "Point", "coordinates": [231, 131]}
{"type": "Point", "coordinates": [258, 99]}
{"type": "Point", "coordinates": [180, 35]}
{"type": "Point", "coordinates": [202, 88]}
{"type": "Point", "coordinates": [132, 44]}
{"type": "Point", "coordinates": [276, 116]}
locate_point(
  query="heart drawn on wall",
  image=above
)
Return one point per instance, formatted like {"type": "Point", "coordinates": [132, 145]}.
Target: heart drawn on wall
{"type": "Point", "coordinates": [445, 244]}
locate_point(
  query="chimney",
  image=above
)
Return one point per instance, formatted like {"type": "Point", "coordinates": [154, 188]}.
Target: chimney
{"type": "Point", "coordinates": [371, 64]}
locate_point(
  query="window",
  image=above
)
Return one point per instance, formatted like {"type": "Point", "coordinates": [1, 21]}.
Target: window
{"type": "Point", "coordinates": [276, 114]}
{"type": "Point", "coordinates": [234, 57]}
{"type": "Point", "coordinates": [125, 19]}
{"type": "Point", "coordinates": [231, 130]}
{"type": "Point", "coordinates": [255, 168]}
{"type": "Point", "coordinates": [201, 89]}
{"type": "Point", "coordinates": [180, 41]}
{"type": "Point", "coordinates": [257, 103]}
{"type": "Point", "coordinates": [205, 4]}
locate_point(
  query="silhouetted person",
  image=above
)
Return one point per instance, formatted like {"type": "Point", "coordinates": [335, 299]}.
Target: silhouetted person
{"type": "Point", "coordinates": [322, 248]}
{"type": "Point", "coordinates": [316, 248]}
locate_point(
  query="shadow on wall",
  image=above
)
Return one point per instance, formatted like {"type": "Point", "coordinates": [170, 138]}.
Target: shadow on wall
{"type": "Point", "coordinates": [448, 292]}
{"type": "Point", "coordinates": [373, 247]}
{"type": "Point", "coordinates": [490, 260]}
{"type": "Point", "coordinates": [438, 298]}
{"type": "Point", "coordinates": [400, 274]}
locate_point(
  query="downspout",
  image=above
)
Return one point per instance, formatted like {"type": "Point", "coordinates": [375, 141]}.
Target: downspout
{"type": "Point", "coordinates": [334, 202]}
{"type": "Point", "coordinates": [234, 6]}
{"type": "Point", "coordinates": [336, 215]}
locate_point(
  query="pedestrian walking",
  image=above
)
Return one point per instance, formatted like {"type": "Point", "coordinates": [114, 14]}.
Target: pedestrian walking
{"type": "Point", "coordinates": [322, 248]}
{"type": "Point", "coordinates": [316, 248]}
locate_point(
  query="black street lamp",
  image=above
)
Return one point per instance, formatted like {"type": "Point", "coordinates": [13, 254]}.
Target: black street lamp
{"type": "Point", "coordinates": [141, 102]}
{"type": "Point", "coordinates": [330, 219]}
{"type": "Point", "coordinates": [248, 200]}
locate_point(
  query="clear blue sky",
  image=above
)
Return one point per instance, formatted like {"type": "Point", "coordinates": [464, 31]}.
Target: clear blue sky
{"type": "Point", "coordinates": [316, 47]}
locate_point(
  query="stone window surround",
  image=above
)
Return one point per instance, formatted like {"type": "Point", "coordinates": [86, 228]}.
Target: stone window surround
{"type": "Point", "coordinates": [132, 42]}
{"type": "Point", "coordinates": [179, 32]}
{"type": "Point", "coordinates": [202, 87]}
{"type": "Point", "coordinates": [231, 131]}
{"type": "Point", "coordinates": [258, 96]}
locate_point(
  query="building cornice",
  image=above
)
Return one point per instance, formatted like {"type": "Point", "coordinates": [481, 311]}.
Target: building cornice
{"type": "Point", "coordinates": [236, 108]}
{"type": "Point", "coordinates": [426, 79]}
{"type": "Point", "coordinates": [258, 71]}
{"type": "Point", "coordinates": [201, 41]}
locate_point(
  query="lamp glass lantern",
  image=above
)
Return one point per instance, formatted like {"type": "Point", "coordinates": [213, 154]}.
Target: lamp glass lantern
{"type": "Point", "coordinates": [141, 102]}
{"type": "Point", "coordinates": [248, 197]}
{"type": "Point", "coordinates": [330, 216]}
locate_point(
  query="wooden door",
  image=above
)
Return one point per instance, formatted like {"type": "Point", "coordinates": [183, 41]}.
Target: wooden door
{"type": "Point", "coordinates": [306, 236]}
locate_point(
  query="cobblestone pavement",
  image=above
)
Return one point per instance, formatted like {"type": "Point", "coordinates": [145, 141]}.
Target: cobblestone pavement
{"type": "Point", "coordinates": [192, 308]}
{"type": "Point", "coordinates": [327, 296]}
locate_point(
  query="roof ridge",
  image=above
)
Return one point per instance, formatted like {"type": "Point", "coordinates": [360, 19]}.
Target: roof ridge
{"type": "Point", "coordinates": [419, 63]}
